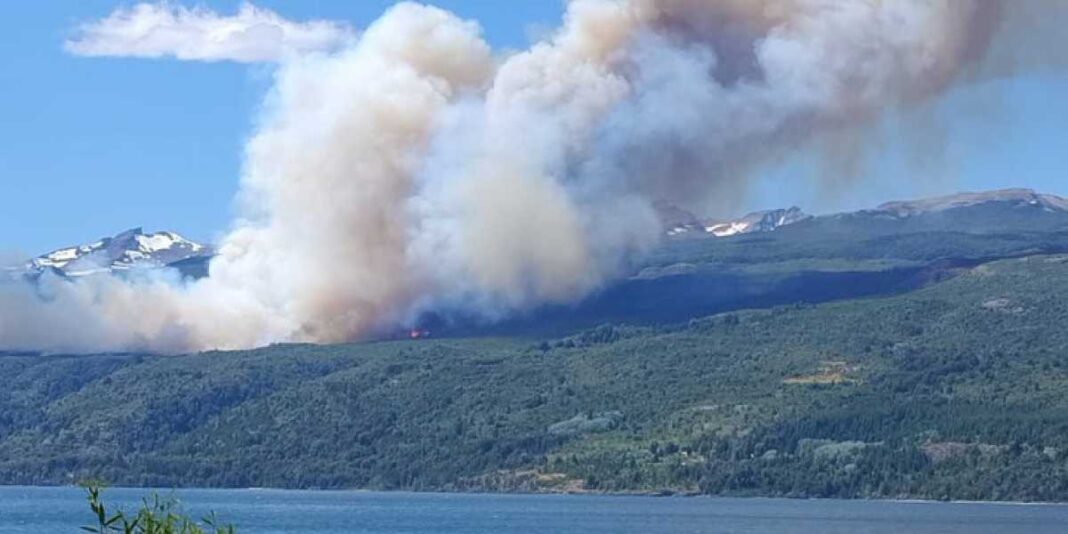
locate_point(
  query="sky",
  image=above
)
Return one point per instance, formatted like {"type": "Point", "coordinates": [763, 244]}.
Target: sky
{"type": "Point", "coordinates": [91, 146]}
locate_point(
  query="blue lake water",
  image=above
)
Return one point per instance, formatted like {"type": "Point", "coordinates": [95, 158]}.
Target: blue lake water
{"type": "Point", "coordinates": [35, 510]}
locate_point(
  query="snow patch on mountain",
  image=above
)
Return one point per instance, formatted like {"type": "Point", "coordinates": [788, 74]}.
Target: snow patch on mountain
{"type": "Point", "coordinates": [727, 229]}
{"type": "Point", "coordinates": [760, 221]}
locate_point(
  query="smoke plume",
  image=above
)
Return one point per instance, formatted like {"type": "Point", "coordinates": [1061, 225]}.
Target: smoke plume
{"type": "Point", "coordinates": [416, 170]}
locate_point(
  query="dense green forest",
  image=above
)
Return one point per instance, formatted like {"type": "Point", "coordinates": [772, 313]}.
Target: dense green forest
{"type": "Point", "coordinates": [958, 390]}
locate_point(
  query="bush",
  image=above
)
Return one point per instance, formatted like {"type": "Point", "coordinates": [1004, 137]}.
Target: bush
{"type": "Point", "coordinates": [156, 516]}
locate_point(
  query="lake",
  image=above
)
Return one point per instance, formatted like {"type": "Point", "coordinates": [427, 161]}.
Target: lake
{"type": "Point", "coordinates": [25, 510]}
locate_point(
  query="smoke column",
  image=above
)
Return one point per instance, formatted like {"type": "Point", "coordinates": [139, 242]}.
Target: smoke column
{"type": "Point", "coordinates": [418, 171]}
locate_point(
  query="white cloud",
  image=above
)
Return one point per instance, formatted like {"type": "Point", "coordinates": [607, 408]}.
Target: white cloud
{"type": "Point", "coordinates": [198, 34]}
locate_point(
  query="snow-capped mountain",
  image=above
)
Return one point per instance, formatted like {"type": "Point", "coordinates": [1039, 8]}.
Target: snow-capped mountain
{"type": "Point", "coordinates": [132, 249]}
{"type": "Point", "coordinates": [679, 222]}
{"type": "Point", "coordinates": [1014, 197]}
{"type": "Point", "coordinates": [760, 221]}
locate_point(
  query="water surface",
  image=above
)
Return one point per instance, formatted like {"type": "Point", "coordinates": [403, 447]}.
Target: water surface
{"type": "Point", "coordinates": [25, 510]}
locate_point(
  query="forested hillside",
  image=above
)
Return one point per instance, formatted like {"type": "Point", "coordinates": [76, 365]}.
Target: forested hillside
{"type": "Point", "coordinates": [958, 390]}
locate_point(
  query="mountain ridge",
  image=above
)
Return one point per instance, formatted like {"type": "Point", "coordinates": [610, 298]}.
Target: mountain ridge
{"type": "Point", "coordinates": [971, 198]}
{"type": "Point", "coordinates": [134, 250]}
{"type": "Point", "coordinates": [682, 223]}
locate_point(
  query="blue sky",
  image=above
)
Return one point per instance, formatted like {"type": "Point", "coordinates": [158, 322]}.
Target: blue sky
{"type": "Point", "coordinates": [92, 146]}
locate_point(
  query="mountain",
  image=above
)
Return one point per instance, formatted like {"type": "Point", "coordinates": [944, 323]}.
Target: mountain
{"type": "Point", "coordinates": [675, 220]}
{"type": "Point", "coordinates": [970, 212]}
{"type": "Point", "coordinates": [679, 222]}
{"type": "Point", "coordinates": [129, 250]}
{"type": "Point", "coordinates": [759, 221]}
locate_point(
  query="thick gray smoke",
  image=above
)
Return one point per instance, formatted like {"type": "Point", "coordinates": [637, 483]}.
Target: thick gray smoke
{"type": "Point", "coordinates": [417, 171]}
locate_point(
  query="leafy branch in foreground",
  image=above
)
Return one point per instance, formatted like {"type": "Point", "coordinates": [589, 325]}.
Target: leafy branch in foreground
{"type": "Point", "coordinates": [155, 516]}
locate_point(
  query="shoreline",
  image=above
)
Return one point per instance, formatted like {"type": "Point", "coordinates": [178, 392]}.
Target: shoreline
{"type": "Point", "coordinates": [638, 494]}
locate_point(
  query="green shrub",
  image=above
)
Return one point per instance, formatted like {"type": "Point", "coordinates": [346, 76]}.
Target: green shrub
{"type": "Point", "coordinates": [155, 516]}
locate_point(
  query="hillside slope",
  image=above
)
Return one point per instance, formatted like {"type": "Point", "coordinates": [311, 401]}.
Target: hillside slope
{"type": "Point", "coordinates": [889, 250]}
{"type": "Point", "coordinates": [959, 390]}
